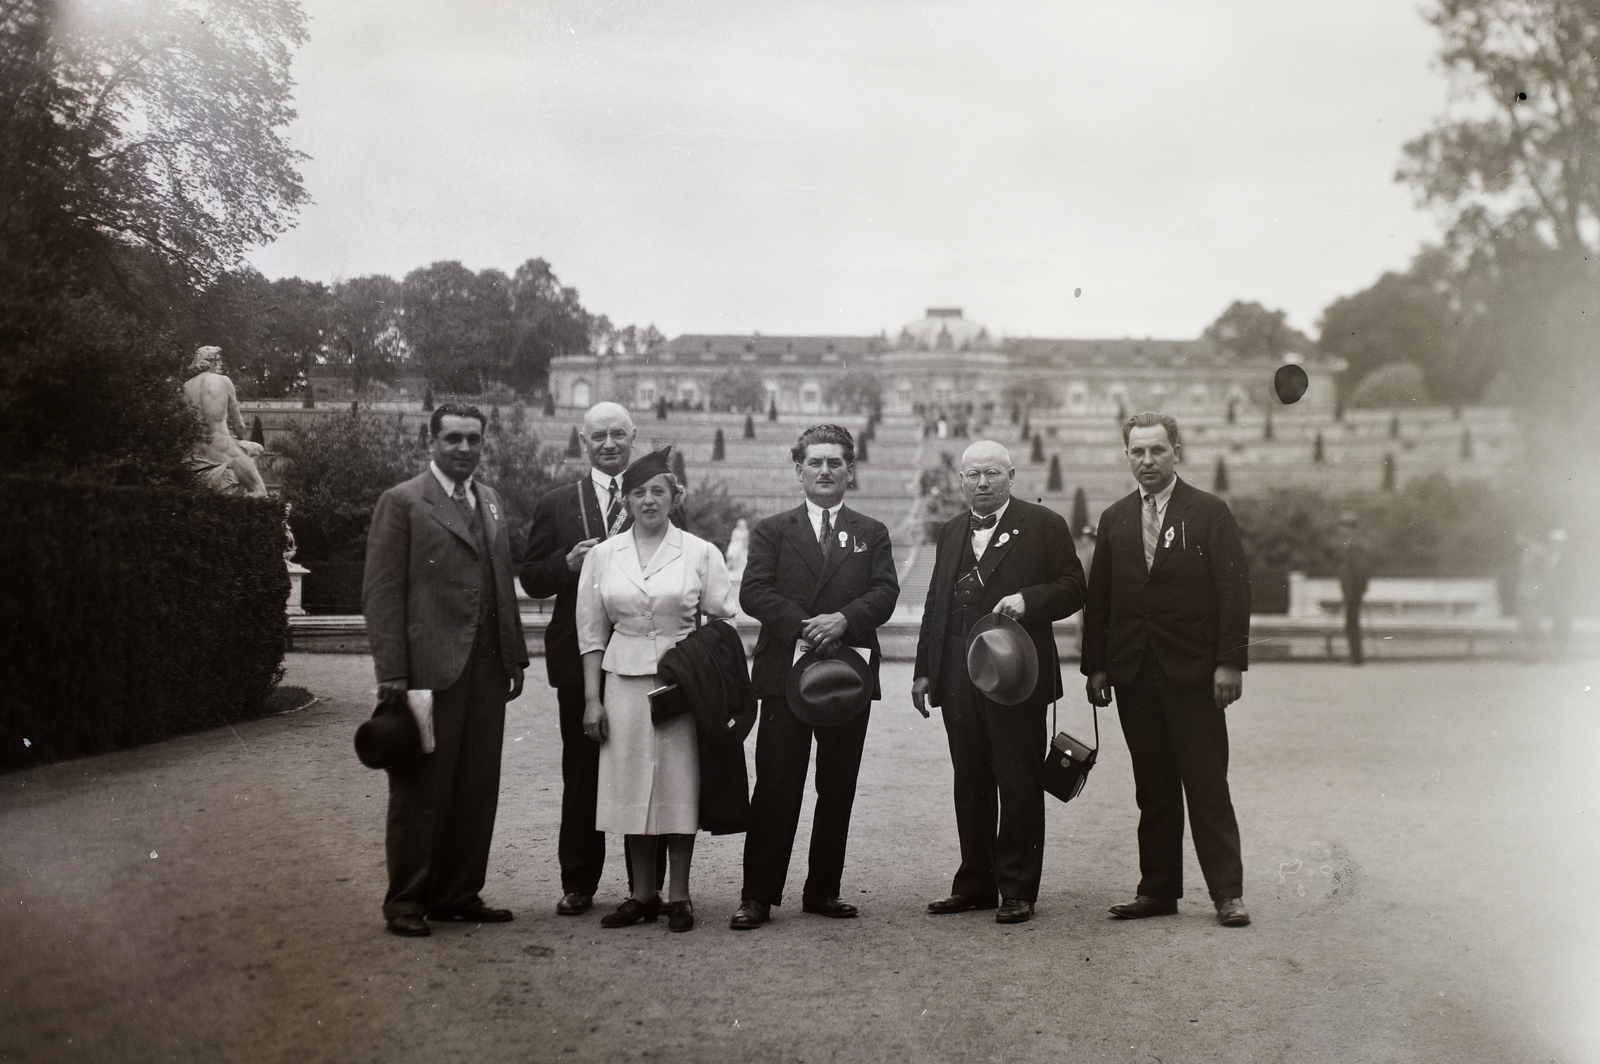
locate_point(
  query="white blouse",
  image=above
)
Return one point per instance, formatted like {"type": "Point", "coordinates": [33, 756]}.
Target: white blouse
{"type": "Point", "coordinates": [637, 614]}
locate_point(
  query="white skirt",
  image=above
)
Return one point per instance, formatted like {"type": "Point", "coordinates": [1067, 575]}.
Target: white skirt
{"type": "Point", "coordinates": [649, 776]}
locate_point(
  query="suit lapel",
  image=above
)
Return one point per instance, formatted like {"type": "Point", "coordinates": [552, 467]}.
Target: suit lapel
{"type": "Point", "coordinates": [627, 560]}
{"type": "Point", "coordinates": [1177, 512]}
{"type": "Point", "coordinates": [797, 530]}
{"type": "Point", "coordinates": [445, 511]}
{"type": "Point", "coordinates": [669, 550]}
{"type": "Point", "coordinates": [1013, 528]}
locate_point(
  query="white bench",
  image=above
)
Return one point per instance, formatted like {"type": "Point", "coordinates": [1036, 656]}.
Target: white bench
{"type": "Point", "coordinates": [1402, 598]}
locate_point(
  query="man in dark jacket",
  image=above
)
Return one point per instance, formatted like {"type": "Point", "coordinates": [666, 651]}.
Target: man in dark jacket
{"type": "Point", "coordinates": [824, 574]}
{"type": "Point", "coordinates": [1014, 558]}
{"type": "Point", "coordinates": [1355, 573]}
{"type": "Point", "coordinates": [1168, 625]}
{"type": "Point", "coordinates": [566, 523]}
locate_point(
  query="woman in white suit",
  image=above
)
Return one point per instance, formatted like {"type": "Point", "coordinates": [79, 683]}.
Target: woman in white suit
{"type": "Point", "coordinates": [639, 594]}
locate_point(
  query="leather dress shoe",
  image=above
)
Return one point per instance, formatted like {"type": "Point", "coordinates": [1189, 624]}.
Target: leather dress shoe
{"type": "Point", "coordinates": [1014, 911]}
{"type": "Point", "coordinates": [958, 903]}
{"type": "Point", "coordinates": [839, 910]}
{"type": "Point", "coordinates": [574, 904]}
{"type": "Point", "coordinates": [633, 912]}
{"type": "Point", "coordinates": [1231, 913]}
{"type": "Point", "coordinates": [680, 915]}
{"type": "Point", "coordinates": [408, 925]}
{"type": "Point", "coordinates": [476, 913]}
{"type": "Point", "coordinates": [751, 915]}
{"type": "Point", "coordinates": [1141, 907]}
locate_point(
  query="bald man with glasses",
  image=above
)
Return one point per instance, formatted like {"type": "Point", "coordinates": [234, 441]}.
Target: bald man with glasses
{"type": "Point", "coordinates": [1005, 556]}
{"type": "Point", "coordinates": [567, 523]}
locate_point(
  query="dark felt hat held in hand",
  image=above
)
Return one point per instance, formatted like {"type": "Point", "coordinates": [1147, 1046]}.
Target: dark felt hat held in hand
{"type": "Point", "coordinates": [825, 692]}
{"type": "Point", "coordinates": [1001, 660]}
{"type": "Point", "coordinates": [389, 738]}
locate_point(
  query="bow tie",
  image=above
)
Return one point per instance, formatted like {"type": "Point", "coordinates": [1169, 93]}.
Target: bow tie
{"type": "Point", "coordinates": [976, 523]}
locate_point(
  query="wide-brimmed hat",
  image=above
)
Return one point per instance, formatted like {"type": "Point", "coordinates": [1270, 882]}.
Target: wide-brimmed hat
{"type": "Point", "coordinates": [825, 692]}
{"type": "Point", "coordinates": [1001, 660]}
{"type": "Point", "coordinates": [389, 738]}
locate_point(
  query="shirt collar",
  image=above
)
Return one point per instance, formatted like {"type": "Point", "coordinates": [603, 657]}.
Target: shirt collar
{"type": "Point", "coordinates": [998, 514]}
{"type": "Point", "coordinates": [603, 481]}
{"type": "Point", "coordinates": [445, 482]}
{"type": "Point", "coordinates": [814, 511]}
{"type": "Point", "coordinates": [1164, 494]}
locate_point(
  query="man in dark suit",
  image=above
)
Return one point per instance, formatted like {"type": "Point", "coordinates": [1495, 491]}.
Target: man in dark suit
{"type": "Point", "coordinates": [442, 617]}
{"type": "Point", "coordinates": [1168, 625]}
{"type": "Point", "coordinates": [566, 523]}
{"type": "Point", "coordinates": [1355, 573]}
{"type": "Point", "coordinates": [1014, 558]}
{"type": "Point", "coordinates": [824, 574]}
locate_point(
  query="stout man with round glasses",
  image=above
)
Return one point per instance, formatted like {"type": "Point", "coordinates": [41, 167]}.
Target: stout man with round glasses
{"type": "Point", "coordinates": [1014, 558]}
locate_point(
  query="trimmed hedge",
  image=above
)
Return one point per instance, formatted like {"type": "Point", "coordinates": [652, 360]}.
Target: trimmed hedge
{"type": "Point", "coordinates": [131, 614]}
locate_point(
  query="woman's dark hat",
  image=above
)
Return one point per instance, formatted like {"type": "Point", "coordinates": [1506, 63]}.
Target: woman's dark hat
{"type": "Point", "coordinates": [825, 692]}
{"type": "Point", "coordinates": [1001, 660]}
{"type": "Point", "coordinates": [646, 469]}
{"type": "Point", "coordinates": [389, 739]}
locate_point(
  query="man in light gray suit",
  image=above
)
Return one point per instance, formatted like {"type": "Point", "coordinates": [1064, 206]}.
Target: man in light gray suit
{"type": "Point", "coordinates": [442, 616]}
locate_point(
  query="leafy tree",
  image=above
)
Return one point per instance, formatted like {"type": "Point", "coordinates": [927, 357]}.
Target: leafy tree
{"type": "Point", "coordinates": [854, 392]}
{"type": "Point", "coordinates": [184, 107]}
{"type": "Point", "coordinates": [1053, 481]}
{"type": "Point", "coordinates": [737, 389]}
{"type": "Point", "coordinates": [574, 444]}
{"type": "Point", "coordinates": [749, 428]}
{"type": "Point", "coordinates": [1523, 155]}
{"type": "Point", "coordinates": [459, 324]}
{"type": "Point", "coordinates": [1036, 454]}
{"type": "Point", "coordinates": [1034, 393]}
{"type": "Point", "coordinates": [1391, 385]}
{"type": "Point", "coordinates": [772, 409]}
{"type": "Point", "coordinates": [143, 153]}
{"type": "Point", "coordinates": [710, 513]}
{"type": "Point", "coordinates": [334, 467]}
{"type": "Point", "coordinates": [363, 329]}
{"type": "Point", "coordinates": [719, 448]}
{"type": "Point", "coordinates": [547, 320]}
{"type": "Point", "coordinates": [1250, 330]}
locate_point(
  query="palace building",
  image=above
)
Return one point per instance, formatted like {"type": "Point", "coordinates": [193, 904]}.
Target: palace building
{"type": "Point", "coordinates": [942, 361]}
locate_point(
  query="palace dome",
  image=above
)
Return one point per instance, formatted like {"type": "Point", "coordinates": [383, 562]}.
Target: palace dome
{"type": "Point", "coordinates": [944, 329]}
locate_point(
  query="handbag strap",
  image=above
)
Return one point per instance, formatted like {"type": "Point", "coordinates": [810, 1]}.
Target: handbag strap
{"type": "Point", "coordinates": [1054, 731]}
{"type": "Point", "coordinates": [583, 508]}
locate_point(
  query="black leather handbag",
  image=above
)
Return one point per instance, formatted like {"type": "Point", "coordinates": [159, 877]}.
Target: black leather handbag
{"type": "Point", "coordinates": [1068, 761]}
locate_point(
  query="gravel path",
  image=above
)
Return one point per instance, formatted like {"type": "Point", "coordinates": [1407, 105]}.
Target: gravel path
{"type": "Point", "coordinates": [1419, 840]}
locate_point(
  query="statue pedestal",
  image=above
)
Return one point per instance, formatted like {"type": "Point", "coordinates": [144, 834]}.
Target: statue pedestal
{"type": "Point", "coordinates": [296, 574]}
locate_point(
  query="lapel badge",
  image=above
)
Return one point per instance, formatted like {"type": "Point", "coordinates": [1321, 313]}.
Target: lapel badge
{"type": "Point", "coordinates": [1005, 537]}
{"type": "Point", "coordinates": [844, 539]}
{"type": "Point", "coordinates": [494, 512]}
{"type": "Point", "coordinates": [1170, 533]}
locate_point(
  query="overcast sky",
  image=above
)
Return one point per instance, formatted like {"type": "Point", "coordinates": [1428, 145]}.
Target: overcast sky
{"type": "Point", "coordinates": [794, 167]}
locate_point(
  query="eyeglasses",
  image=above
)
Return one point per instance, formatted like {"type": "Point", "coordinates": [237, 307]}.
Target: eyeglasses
{"type": "Point", "coordinates": [975, 476]}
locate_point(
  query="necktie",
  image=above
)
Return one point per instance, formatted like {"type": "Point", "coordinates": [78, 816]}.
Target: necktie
{"type": "Point", "coordinates": [976, 523]}
{"type": "Point", "coordinates": [613, 506]}
{"type": "Point", "coordinates": [1152, 530]}
{"type": "Point", "coordinates": [825, 537]}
